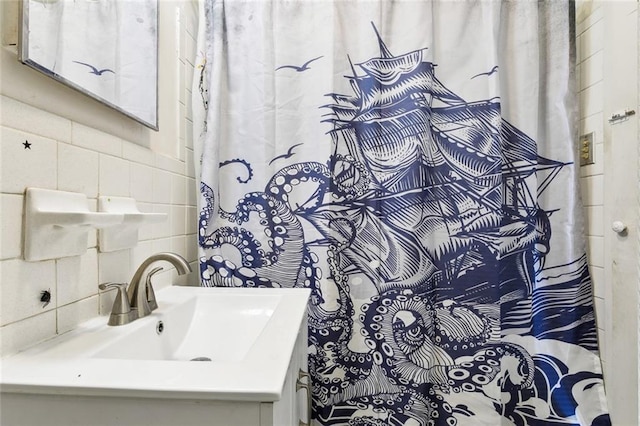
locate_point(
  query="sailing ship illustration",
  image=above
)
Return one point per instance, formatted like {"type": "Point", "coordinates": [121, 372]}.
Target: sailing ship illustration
{"type": "Point", "coordinates": [457, 166]}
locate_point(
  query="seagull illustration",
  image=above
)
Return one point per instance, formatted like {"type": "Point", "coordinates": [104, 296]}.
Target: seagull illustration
{"type": "Point", "coordinates": [287, 155]}
{"type": "Point", "coordinates": [95, 70]}
{"type": "Point", "coordinates": [493, 70]}
{"type": "Point", "coordinates": [304, 66]}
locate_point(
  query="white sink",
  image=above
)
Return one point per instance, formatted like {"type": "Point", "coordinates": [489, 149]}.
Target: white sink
{"type": "Point", "coordinates": [213, 326]}
{"type": "Point", "coordinates": [243, 338]}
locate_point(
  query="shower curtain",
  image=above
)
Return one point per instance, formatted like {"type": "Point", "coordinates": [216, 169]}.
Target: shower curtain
{"type": "Point", "coordinates": [412, 163]}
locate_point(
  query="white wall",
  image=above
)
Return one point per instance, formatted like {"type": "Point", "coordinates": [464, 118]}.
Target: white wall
{"type": "Point", "coordinates": [621, 198]}
{"type": "Point", "coordinates": [80, 145]}
{"type": "Point", "coordinates": [607, 41]}
{"type": "Point", "coordinates": [590, 67]}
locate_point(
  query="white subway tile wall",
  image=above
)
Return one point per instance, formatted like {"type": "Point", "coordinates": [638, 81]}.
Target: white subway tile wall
{"type": "Point", "coordinates": [78, 170]}
{"type": "Point", "coordinates": [76, 277]}
{"type": "Point", "coordinates": [114, 176]}
{"type": "Point", "coordinates": [589, 36]}
{"type": "Point", "coordinates": [141, 183]}
{"type": "Point", "coordinates": [26, 160]}
{"type": "Point", "coordinates": [102, 142]}
{"type": "Point", "coordinates": [41, 149]}
{"type": "Point", "coordinates": [11, 207]}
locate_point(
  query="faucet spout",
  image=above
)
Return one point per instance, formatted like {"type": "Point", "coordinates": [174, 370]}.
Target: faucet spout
{"type": "Point", "coordinates": [137, 291]}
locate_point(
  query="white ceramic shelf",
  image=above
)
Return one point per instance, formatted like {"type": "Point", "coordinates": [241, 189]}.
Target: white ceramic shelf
{"type": "Point", "coordinates": [57, 223]}
{"type": "Point", "coordinates": [125, 234]}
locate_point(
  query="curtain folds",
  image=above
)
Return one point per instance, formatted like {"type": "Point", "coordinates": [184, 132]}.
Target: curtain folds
{"type": "Point", "coordinates": [413, 164]}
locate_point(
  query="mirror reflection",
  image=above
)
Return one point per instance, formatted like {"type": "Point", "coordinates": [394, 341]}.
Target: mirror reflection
{"type": "Point", "coordinates": [106, 49]}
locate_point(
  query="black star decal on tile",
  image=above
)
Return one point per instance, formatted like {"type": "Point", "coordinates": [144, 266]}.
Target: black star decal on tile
{"type": "Point", "coordinates": [27, 145]}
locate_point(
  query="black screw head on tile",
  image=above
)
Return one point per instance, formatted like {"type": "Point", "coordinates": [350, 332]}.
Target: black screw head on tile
{"type": "Point", "coordinates": [45, 297]}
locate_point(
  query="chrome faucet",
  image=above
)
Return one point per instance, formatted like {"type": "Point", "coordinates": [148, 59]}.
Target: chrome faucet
{"type": "Point", "coordinates": [139, 300]}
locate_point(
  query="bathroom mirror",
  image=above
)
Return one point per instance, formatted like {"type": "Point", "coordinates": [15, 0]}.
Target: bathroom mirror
{"type": "Point", "coordinates": [105, 49]}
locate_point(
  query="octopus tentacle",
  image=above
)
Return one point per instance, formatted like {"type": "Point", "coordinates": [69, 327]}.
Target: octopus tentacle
{"type": "Point", "coordinates": [243, 240]}
{"type": "Point", "coordinates": [206, 212]}
{"type": "Point", "coordinates": [244, 163]}
{"type": "Point", "coordinates": [445, 344]}
{"type": "Point", "coordinates": [281, 264]}
{"type": "Point", "coordinates": [283, 182]}
{"type": "Point", "coordinates": [331, 332]}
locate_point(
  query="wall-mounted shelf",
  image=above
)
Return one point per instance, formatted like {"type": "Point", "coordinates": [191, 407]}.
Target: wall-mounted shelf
{"type": "Point", "coordinates": [57, 223]}
{"type": "Point", "coordinates": [125, 234]}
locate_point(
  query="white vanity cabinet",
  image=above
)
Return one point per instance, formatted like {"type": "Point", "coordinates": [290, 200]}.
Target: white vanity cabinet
{"type": "Point", "coordinates": [147, 373]}
{"type": "Point", "coordinates": [64, 410]}
{"type": "Point", "coordinates": [294, 408]}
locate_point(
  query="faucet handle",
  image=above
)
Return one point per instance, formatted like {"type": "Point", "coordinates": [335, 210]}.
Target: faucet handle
{"type": "Point", "coordinates": [151, 295]}
{"type": "Point", "coordinates": [121, 311]}
{"type": "Point", "coordinates": [121, 303]}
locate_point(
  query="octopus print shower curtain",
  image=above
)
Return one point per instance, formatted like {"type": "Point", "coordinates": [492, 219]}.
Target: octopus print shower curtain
{"type": "Point", "coordinates": [412, 163]}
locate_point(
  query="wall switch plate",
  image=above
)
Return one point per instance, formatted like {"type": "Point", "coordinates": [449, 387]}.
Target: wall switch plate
{"type": "Point", "coordinates": [586, 149]}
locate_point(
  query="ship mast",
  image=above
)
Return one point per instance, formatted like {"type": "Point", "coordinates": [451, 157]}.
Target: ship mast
{"type": "Point", "coordinates": [384, 51]}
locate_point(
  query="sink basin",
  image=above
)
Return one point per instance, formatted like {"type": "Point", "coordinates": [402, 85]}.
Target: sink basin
{"type": "Point", "coordinates": [205, 327]}
{"type": "Point", "coordinates": [206, 343]}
